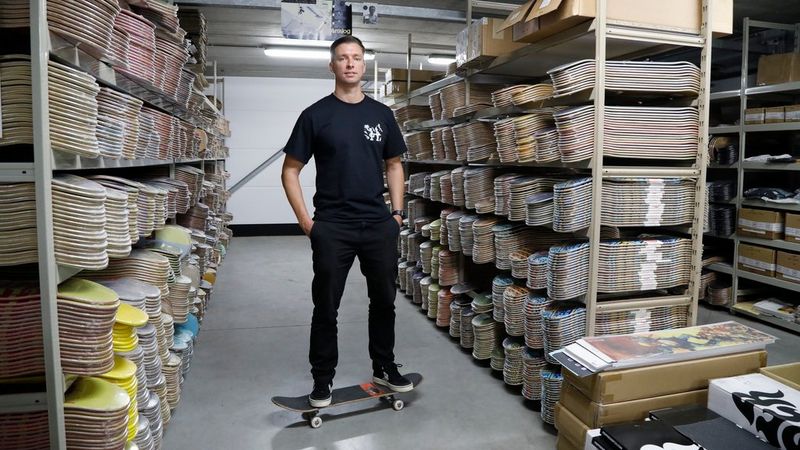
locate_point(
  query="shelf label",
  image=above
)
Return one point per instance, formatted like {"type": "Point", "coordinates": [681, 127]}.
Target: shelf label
{"type": "Point", "coordinates": [791, 231]}
{"type": "Point", "coordinates": [750, 262]}
{"type": "Point", "coordinates": [766, 226]}
{"type": "Point", "coordinates": [787, 272]}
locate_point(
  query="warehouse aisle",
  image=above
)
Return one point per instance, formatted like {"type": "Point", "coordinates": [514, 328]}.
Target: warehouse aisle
{"type": "Point", "coordinates": [254, 345]}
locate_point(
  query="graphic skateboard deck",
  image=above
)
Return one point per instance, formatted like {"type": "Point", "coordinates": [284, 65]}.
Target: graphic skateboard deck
{"type": "Point", "coordinates": [343, 396]}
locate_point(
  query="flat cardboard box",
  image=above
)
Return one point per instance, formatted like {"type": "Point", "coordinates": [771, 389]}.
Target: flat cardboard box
{"type": "Point", "coordinates": [595, 414]}
{"type": "Point", "coordinates": [487, 40]}
{"type": "Point", "coordinates": [778, 68]}
{"type": "Point", "coordinates": [760, 223]}
{"type": "Point", "coordinates": [424, 76]}
{"type": "Point", "coordinates": [776, 114]}
{"type": "Point", "coordinates": [569, 426]}
{"type": "Point", "coordinates": [565, 444]}
{"type": "Point", "coordinates": [788, 374]}
{"type": "Point", "coordinates": [791, 232]}
{"type": "Point", "coordinates": [766, 407]}
{"type": "Point", "coordinates": [394, 88]}
{"type": "Point", "coordinates": [684, 376]}
{"type": "Point", "coordinates": [753, 116]}
{"type": "Point", "coordinates": [556, 16]}
{"type": "Point", "coordinates": [760, 260]}
{"type": "Point", "coordinates": [788, 266]}
{"type": "Point", "coordinates": [517, 21]}
{"type": "Point", "coordinates": [792, 113]}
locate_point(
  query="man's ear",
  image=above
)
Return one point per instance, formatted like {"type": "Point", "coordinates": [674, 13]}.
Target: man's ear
{"type": "Point", "coordinates": [330, 67]}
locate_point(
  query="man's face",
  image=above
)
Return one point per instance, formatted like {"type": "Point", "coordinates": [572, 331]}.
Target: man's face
{"type": "Point", "coordinates": [348, 64]}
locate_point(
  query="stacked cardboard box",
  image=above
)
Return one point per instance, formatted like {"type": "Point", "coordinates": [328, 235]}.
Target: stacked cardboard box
{"type": "Point", "coordinates": [478, 44]}
{"type": "Point", "coordinates": [778, 68]}
{"type": "Point", "coordinates": [621, 396]}
{"type": "Point", "coordinates": [396, 80]}
{"type": "Point", "coordinates": [758, 260]}
{"type": "Point", "coordinates": [760, 223]}
{"type": "Point", "coordinates": [539, 19]}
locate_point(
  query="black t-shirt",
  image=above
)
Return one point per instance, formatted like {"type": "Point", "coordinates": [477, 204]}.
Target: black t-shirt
{"type": "Point", "coordinates": [349, 142]}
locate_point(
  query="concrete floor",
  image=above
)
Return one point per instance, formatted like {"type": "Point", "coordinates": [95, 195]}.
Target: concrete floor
{"type": "Point", "coordinates": [254, 343]}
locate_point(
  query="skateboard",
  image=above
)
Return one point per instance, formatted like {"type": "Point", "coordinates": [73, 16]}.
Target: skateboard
{"type": "Point", "coordinates": [343, 396]}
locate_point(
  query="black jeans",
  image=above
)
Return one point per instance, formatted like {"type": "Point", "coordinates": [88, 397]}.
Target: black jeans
{"type": "Point", "coordinates": [334, 247]}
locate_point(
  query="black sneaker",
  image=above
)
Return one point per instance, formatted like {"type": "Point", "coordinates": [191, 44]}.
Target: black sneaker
{"type": "Point", "coordinates": [320, 397]}
{"type": "Point", "coordinates": [389, 376]}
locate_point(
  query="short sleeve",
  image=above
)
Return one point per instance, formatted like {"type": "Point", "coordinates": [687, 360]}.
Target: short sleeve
{"type": "Point", "coordinates": [300, 142]}
{"type": "Point", "coordinates": [395, 144]}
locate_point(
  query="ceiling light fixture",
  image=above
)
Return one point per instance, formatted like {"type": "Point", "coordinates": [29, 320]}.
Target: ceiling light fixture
{"type": "Point", "coordinates": [441, 60]}
{"type": "Point", "coordinates": [306, 53]}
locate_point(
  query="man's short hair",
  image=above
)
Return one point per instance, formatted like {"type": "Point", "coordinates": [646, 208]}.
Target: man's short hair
{"type": "Point", "coordinates": [347, 39]}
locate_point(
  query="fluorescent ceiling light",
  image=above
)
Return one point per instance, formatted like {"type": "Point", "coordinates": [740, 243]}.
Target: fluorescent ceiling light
{"type": "Point", "coordinates": [306, 53]}
{"type": "Point", "coordinates": [441, 60]}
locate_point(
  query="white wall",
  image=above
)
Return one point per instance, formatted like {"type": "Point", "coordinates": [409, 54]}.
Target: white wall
{"type": "Point", "coordinates": [262, 112]}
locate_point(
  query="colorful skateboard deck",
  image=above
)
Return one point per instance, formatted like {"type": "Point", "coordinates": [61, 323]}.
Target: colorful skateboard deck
{"type": "Point", "coordinates": [345, 395]}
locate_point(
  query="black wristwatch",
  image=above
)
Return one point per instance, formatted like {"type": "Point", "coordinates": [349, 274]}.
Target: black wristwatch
{"type": "Point", "coordinates": [399, 212]}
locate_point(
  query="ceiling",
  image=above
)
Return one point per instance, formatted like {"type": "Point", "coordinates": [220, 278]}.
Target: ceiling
{"type": "Point", "coordinates": [238, 28]}
{"type": "Point", "coordinates": [235, 34]}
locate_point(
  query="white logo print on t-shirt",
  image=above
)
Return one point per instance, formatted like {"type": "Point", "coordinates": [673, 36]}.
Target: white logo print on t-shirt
{"type": "Point", "coordinates": [374, 134]}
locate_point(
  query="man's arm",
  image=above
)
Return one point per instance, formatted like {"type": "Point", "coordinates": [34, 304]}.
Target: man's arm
{"type": "Point", "coordinates": [395, 180]}
{"type": "Point", "coordinates": [290, 177]}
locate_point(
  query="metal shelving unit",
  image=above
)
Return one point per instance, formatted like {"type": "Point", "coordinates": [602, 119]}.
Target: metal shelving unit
{"type": "Point", "coordinates": [724, 129]}
{"type": "Point", "coordinates": [791, 207]}
{"type": "Point", "coordinates": [601, 40]}
{"type": "Point", "coordinates": [46, 46]}
{"type": "Point", "coordinates": [40, 173]}
{"type": "Point", "coordinates": [791, 326]}
{"type": "Point", "coordinates": [743, 167]}
{"type": "Point", "coordinates": [758, 166]}
{"type": "Point", "coordinates": [772, 243]}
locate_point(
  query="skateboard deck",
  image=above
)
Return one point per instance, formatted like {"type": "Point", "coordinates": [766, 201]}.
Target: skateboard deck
{"type": "Point", "coordinates": [343, 396]}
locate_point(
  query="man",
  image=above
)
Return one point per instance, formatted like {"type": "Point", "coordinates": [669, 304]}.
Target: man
{"type": "Point", "coordinates": [351, 138]}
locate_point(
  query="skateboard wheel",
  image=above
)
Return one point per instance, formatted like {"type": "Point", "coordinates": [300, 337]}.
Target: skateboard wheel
{"type": "Point", "coordinates": [397, 405]}
{"type": "Point", "coordinates": [315, 422]}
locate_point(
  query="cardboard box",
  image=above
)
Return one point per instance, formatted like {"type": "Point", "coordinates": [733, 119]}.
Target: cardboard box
{"type": "Point", "coordinates": [684, 376]}
{"type": "Point", "coordinates": [569, 426]}
{"type": "Point", "coordinates": [753, 116]}
{"type": "Point", "coordinates": [595, 414]}
{"type": "Point", "coordinates": [565, 444]}
{"type": "Point", "coordinates": [787, 266]}
{"type": "Point", "coordinates": [395, 88]}
{"type": "Point", "coordinates": [792, 113]}
{"type": "Point", "coordinates": [760, 223]}
{"type": "Point", "coordinates": [788, 374]}
{"type": "Point", "coordinates": [774, 115]}
{"type": "Point", "coordinates": [759, 404]}
{"type": "Point", "coordinates": [425, 76]}
{"type": "Point", "coordinates": [791, 230]}
{"type": "Point", "coordinates": [760, 260]}
{"type": "Point", "coordinates": [556, 16]}
{"type": "Point", "coordinates": [487, 40]}
{"type": "Point", "coordinates": [778, 68]}
{"type": "Point", "coordinates": [517, 21]}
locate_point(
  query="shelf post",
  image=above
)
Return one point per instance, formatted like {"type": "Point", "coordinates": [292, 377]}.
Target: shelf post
{"type": "Point", "coordinates": [408, 68]}
{"type": "Point", "coordinates": [600, 32]}
{"type": "Point", "coordinates": [742, 141]}
{"type": "Point", "coordinates": [701, 190]}
{"type": "Point", "coordinates": [48, 273]}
